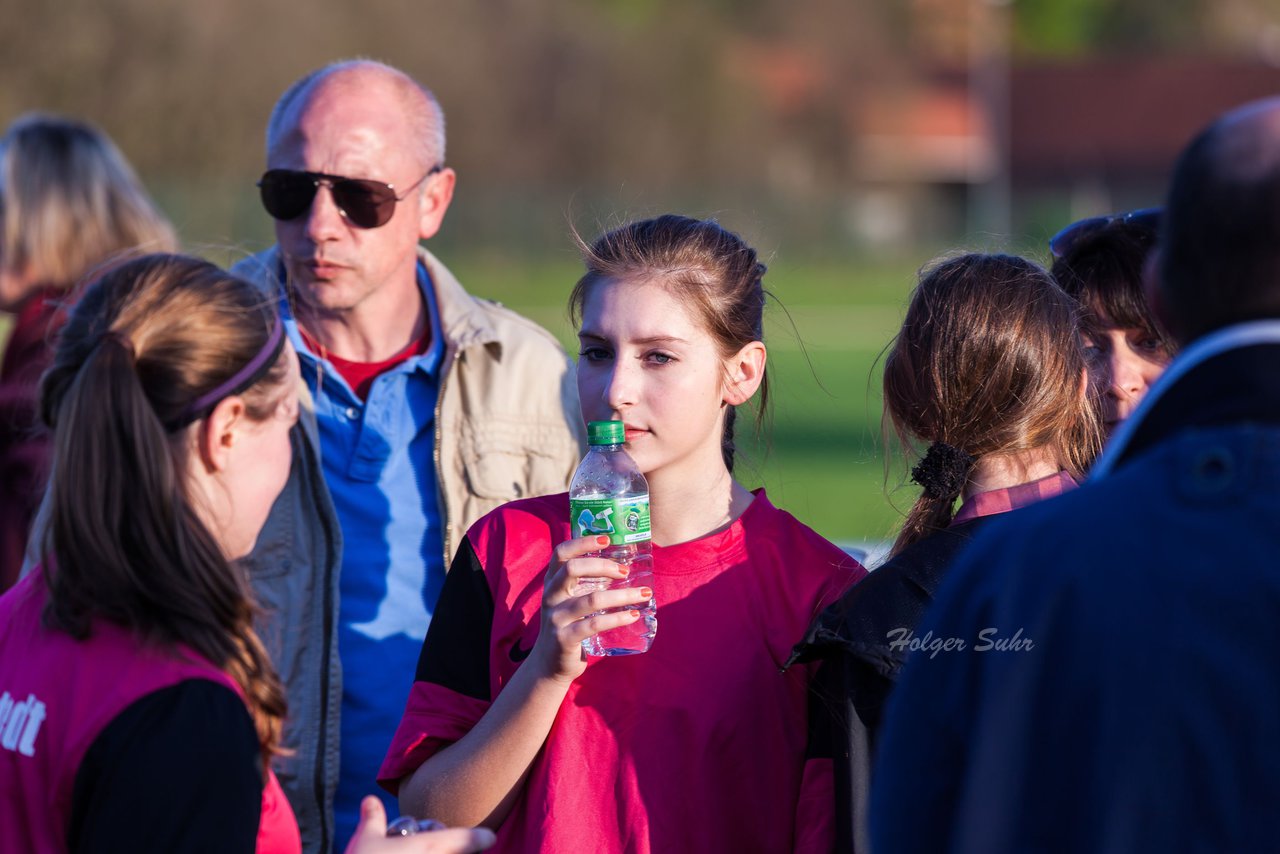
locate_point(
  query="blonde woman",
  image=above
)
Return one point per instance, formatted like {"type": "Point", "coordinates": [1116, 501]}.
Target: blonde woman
{"type": "Point", "coordinates": [68, 202]}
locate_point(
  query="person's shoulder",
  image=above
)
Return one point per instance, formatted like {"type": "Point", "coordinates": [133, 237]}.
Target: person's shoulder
{"type": "Point", "coordinates": [504, 325]}
{"type": "Point", "coordinates": [1038, 538]}
{"type": "Point", "coordinates": [536, 516]}
{"type": "Point", "coordinates": [925, 561]}
{"type": "Point", "coordinates": [261, 269]}
{"type": "Point", "coordinates": [1074, 524]}
{"type": "Point", "coordinates": [767, 526]}
{"type": "Point", "coordinates": [918, 569]}
{"type": "Point", "coordinates": [517, 537]}
{"type": "Point", "coordinates": [1066, 549]}
{"type": "Point", "coordinates": [514, 328]}
{"type": "Point", "coordinates": [899, 591]}
{"type": "Point", "coordinates": [26, 598]}
{"type": "Point", "coordinates": [763, 515]}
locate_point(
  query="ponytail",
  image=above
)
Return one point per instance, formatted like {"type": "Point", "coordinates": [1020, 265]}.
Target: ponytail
{"type": "Point", "coordinates": [125, 542]}
{"type": "Point", "coordinates": [942, 474]}
{"type": "Point", "coordinates": [988, 362]}
{"type": "Point", "coordinates": [107, 435]}
{"type": "Point", "coordinates": [726, 439]}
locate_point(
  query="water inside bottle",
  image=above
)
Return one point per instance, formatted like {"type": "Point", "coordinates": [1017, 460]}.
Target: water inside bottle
{"type": "Point", "coordinates": [635, 637]}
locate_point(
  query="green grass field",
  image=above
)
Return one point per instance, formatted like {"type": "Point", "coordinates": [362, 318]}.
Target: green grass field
{"type": "Point", "coordinates": [820, 455]}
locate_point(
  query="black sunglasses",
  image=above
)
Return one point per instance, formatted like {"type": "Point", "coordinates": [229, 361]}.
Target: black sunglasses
{"type": "Point", "coordinates": [287, 194]}
{"type": "Point", "coordinates": [1064, 241]}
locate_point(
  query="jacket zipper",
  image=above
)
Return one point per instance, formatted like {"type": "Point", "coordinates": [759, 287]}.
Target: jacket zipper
{"type": "Point", "coordinates": [330, 582]}
{"type": "Point", "coordinates": [441, 499]}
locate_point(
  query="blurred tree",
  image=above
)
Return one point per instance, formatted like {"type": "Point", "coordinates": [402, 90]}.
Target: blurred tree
{"type": "Point", "coordinates": [1078, 27]}
{"type": "Point", "coordinates": [551, 103]}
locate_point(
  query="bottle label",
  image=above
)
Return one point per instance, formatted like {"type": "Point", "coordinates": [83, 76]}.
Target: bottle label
{"type": "Point", "coordinates": [625, 520]}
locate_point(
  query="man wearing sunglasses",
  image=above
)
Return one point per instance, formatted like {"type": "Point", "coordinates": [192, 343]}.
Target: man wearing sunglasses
{"type": "Point", "coordinates": [431, 407]}
{"type": "Point", "coordinates": [1142, 711]}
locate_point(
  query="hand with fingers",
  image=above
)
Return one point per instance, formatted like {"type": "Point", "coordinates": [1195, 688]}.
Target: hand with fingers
{"type": "Point", "coordinates": [575, 607]}
{"type": "Point", "coordinates": [477, 779]}
{"type": "Point", "coordinates": [371, 836]}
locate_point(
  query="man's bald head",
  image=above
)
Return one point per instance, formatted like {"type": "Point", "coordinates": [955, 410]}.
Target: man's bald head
{"type": "Point", "coordinates": [418, 106]}
{"type": "Point", "coordinates": [1220, 243]}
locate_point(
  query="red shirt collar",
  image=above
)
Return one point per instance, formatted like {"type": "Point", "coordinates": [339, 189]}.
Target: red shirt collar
{"type": "Point", "coordinates": [1013, 497]}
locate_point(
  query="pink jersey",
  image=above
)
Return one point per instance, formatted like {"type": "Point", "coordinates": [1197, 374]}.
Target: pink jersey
{"type": "Point", "coordinates": [58, 693]}
{"type": "Point", "coordinates": [697, 745]}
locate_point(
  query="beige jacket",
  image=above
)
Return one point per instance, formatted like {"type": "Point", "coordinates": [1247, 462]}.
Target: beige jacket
{"type": "Point", "coordinates": [507, 426]}
{"type": "Point", "coordinates": [508, 422]}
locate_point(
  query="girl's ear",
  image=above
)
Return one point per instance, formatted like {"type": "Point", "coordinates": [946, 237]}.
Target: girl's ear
{"type": "Point", "coordinates": [744, 371]}
{"type": "Point", "coordinates": [218, 433]}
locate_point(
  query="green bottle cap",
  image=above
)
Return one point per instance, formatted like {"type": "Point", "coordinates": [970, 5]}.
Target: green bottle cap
{"type": "Point", "coordinates": [606, 433]}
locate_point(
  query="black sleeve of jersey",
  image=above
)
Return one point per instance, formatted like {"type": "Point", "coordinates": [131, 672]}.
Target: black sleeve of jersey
{"type": "Point", "coordinates": [455, 653]}
{"type": "Point", "coordinates": [178, 770]}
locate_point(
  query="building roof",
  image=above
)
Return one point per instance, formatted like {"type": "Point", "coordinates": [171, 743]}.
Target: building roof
{"type": "Point", "coordinates": [1120, 120]}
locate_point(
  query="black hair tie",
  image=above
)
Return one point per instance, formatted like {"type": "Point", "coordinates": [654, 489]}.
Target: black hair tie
{"type": "Point", "coordinates": [120, 340]}
{"type": "Point", "coordinates": [943, 471]}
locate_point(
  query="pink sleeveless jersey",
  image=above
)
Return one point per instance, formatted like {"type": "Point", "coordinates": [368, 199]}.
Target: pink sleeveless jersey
{"type": "Point", "coordinates": [699, 744]}
{"type": "Point", "coordinates": [57, 694]}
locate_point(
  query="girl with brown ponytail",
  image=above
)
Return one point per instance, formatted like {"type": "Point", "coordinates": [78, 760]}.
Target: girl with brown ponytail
{"type": "Point", "coordinates": [986, 385]}
{"type": "Point", "coordinates": [988, 375]}
{"type": "Point", "coordinates": [128, 658]}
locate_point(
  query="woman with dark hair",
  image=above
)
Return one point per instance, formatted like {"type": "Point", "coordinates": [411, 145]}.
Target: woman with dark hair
{"type": "Point", "coordinates": [699, 743]}
{"type": "Point", "coordinates": [1101, 262]}
{"type": "Point", "coordinates": [138, 708]}
{"type": "Point", "coordinates": [988, 376]}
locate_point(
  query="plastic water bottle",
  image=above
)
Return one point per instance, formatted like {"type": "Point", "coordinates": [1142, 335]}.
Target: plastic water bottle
{"type": "Point", "coordinates": [407, 825]}
{"type": "Point", "coordinates": [609, 495]}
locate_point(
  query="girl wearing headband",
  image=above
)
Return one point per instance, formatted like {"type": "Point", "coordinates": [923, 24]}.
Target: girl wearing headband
{"type": "Point", "coordinates": [138, 708]}
{"type": "Point", "coordinates": [986, 386]}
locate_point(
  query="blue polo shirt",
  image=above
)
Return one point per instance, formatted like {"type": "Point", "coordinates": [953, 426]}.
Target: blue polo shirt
{"type": "Point", "coordinates": [379, 464]}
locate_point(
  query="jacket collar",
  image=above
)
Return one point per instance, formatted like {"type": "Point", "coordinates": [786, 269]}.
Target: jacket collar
{"type": "Point", "coordinates": [462, 322]}
{"type": "Point", "coordinates": [1227, 377]}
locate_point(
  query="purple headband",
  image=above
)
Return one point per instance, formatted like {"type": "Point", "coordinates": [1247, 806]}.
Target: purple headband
{"type": "Point", "coordinates": [243, 379]}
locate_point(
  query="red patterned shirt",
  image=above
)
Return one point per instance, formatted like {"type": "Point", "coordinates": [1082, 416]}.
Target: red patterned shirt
{"type": "Point", "coordinates": [1013, 497]}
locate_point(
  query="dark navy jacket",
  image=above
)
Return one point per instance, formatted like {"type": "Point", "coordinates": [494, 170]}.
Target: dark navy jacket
{"type": "Point", "coordinates": [1144, 714]}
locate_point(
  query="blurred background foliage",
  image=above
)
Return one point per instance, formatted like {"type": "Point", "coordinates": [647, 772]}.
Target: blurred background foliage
{"type": "Point", "coordinates": [849, 140]}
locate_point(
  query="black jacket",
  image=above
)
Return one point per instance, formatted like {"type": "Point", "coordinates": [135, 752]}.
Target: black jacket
{"type": "Point", "coordinates": [861, 641]}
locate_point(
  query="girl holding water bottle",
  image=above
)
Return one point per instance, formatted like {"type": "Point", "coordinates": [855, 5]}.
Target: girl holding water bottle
{"type": "Point", "coordinates": [698, 743]}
